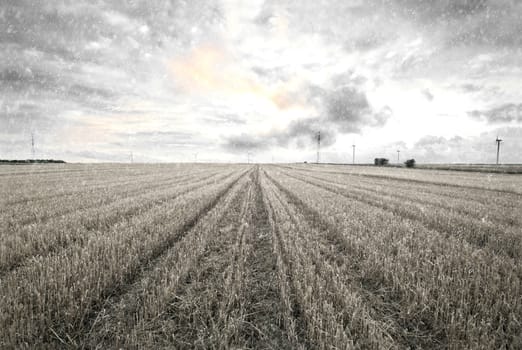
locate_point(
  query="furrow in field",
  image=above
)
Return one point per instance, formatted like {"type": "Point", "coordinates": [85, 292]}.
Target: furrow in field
{"type": "Point", "coordinates": [55, 296]}
{"type": "Point", "coordinates": [21, 189]}
{"type": "Point", "coordinates": [293, 320]}
{"type": "Point", "coordinates": [264, 325]}
{"type": "Point", "coordinates": [37, 186]}
{"type": "Point", "coordinates": [252, 315]}
{"type": "Point", "coordinates": [150, 295]}
{"type": "Point", "coordinates": [43, 191]}
{"type": "Point", "coordinates": [197, 314]}
{"type": "Point", "coordinates": [76, 228]}
{"type": "Point", "coordinates": [39, 211]}
{"type": "Point", "coordinates": [447, 291]}
{"type": "Point", "coordinates": [325, 282]}
{"type": "Point", "coordinates": [500, 183]}
{"type": "Point", "coordinates": [502, 240]}
{"type": "Point", "coordinates": [501, 208]}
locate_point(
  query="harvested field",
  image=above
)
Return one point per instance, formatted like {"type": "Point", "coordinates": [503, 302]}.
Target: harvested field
{"type": "Point", "coordinates": [259, 257]}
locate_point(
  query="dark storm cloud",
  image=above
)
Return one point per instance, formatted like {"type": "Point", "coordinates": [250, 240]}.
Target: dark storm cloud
{"type": "Point", "coordinates": [506, 113]}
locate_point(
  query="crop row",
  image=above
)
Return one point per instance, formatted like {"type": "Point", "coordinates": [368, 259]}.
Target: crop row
{"type": "Point", "coordinates": [502, 239]}
{"type": "Point", "coordinates": [54, 296]}
{"type": "Point", "coordinates": [19, 243]}
{"type": "Point", "coordinates": [425, 287]}
{"type": "Point", "coordinates": [499, 207]}
{"type": "Point", "coordinates": [38, 210]}
{"type": "Point", "coordinates": [506, 183]}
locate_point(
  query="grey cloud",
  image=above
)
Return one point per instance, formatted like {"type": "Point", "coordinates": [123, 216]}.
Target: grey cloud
{"type": "Point", "coordinates": [343, 107]}
{"type": "Point", "coordinates": [466, 22]}
{"type": "Point", "coordinates": [19, 78]}
{"type": "Point", "coordinates": [497, 28]}
{"type": "Point", "coordinates": [97, 156]}
{"type": "Point", "coordinates": [160, 140]}
{"type": "Point", "coordinates": [471, 88]}
{"type": "Point", "coordinates": [84, 56]}
{"type": "Point", "coordinates": [427, 93]}
{"type": "Point", "coordinates": [244, 142]}
{"type": "Point", "coordinates": [506, 113]}
{"type": "Point", "coordinates": [435, 149]}
{"type": "Point", "coordinates": [329, 19]}
{"type": "Point", "coordinates": [348, 110]}
{"type": "Point", "coordinates": [304, 133]}
{"type": "Point", "coordinates": [225, 118]}
{"type": "Point", "coordinates": [435, 141]}
{"type": "Point", "coordinates": [375, 23]}
{"type": "Point", "coordinates": [479, 149]}
{"type": "Point", "coordinates": [299, 133]}
{"type": "Point", "coordinates": [434, 10]}
{"type": "Point", "coordinates": [483, 91]}
{"type": "Point", "coordinates": [25, 117]}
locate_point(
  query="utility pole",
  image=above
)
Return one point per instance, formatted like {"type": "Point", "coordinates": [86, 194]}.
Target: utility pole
{"type": "Point", "coordinates": [195, 157]}
{"type": "Point", "coordinates": [498, 148]}
{"type": "Point", "coordinates": [131, 158]}
{"type": "Point", "coordinates": [318, 146]}
{"type": "Point", "coordinates": [353, 155]}
{"type": "Point", "coordinates": [32, 146]}
{"type": "Point", "coordinates": [248, 157]}
{"type": "Point", "coordinates": [398, 152]}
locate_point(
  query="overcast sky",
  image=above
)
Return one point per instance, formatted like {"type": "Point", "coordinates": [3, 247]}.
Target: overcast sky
{"type": "Point", "coordinates": [215, 80]}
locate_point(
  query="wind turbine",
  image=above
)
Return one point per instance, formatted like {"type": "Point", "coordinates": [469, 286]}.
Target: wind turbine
{"type": "Point", "coordinates": [318, 146]}
{"type": "Point", "coordinates": [32, 145]}
{"type": "Point", "coordinates": [498, 141]}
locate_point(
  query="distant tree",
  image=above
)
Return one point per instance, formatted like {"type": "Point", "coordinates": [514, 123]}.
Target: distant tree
{"type": "Point", "coordinates": [410, 163]}
{"type": "Point", "coordinates": [381, 161]}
